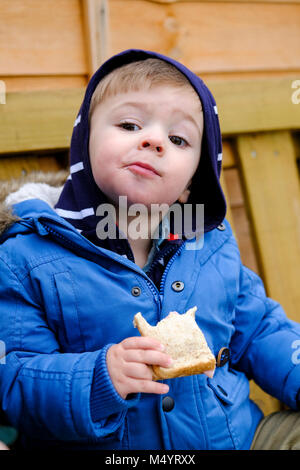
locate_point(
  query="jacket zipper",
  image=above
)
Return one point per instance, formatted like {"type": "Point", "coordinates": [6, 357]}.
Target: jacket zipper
{"type": "Point", "coordinates": [155, 292]}
{"type": "Point", "coordinates": [153, 288]}
{"type": "Point", "coordinates": [167, 269]}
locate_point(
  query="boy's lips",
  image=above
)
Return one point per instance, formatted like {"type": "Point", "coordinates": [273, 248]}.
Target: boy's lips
{"type": "Point", "coordinates": [143, 169]}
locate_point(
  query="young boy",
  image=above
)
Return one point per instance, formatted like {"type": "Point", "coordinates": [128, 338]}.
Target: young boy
{"type": "Point", "coordinates": [76, 372]}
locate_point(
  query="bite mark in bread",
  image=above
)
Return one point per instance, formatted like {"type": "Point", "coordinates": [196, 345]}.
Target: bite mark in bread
{"type": "Point", "coordinates": [184, 342]}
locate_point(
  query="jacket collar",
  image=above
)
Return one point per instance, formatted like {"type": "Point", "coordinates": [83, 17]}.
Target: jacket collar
{"type": "Point", "coordinates": [36, 216]}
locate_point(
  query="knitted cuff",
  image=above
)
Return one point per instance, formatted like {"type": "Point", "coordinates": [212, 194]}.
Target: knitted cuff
{"type": "Point", "coordinates": [104, 399]}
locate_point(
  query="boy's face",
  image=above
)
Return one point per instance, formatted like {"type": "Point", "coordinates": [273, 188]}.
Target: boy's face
{"type": "Point", "coordinates": [160, 128]}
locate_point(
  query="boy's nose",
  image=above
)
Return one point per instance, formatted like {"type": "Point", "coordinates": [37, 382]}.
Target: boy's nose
{"type": "Point", "coordinates": [154, 144]}
{"type": "Point", "coordinates": [158, 148]}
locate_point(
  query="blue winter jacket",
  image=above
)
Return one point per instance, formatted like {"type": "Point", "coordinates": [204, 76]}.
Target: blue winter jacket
{"type": "Point", "coordinates": [63, 301]}
{"type": "Point", "coordinates": [65, 297]}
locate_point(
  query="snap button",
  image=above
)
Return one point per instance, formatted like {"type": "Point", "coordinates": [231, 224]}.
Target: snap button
{"type": "Point", "coordinates": [221, 227]}
{"type": "Point", "coordinates": [178, 286]}
{"type": "Point", "coordinates": [168, 403]}
{"type": "Point", "coordinates": [223, 357]}
{"type": "Point", "coordinates": [136, 291]}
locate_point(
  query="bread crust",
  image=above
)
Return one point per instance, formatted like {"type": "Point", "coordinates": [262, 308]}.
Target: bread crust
{"type": "Point", "coordinates": [180, 335]}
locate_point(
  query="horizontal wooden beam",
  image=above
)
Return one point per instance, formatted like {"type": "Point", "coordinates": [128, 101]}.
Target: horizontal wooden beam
{"type": "Point", "coordinates": [20, 166]}
{"type": "Point", "coordinates": [42, 38]}
{"type": "Point", "coordinates": [44, 119]}
{"type": "Point", "coordinates": [260, 104]}
{"type": "Point", "coordinates": [209, 37]}
{"type": "Point", "coordinates": [222, 1]}
{"type": "Point", "coordinates": [38, 120]}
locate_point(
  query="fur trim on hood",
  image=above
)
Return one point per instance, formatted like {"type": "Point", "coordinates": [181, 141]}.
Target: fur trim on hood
{"type": "Point", "coordinates": [35, 185]}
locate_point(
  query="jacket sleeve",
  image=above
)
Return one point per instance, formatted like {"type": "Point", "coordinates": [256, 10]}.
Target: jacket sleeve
{"type": "Point", "coordinates": [266, 344]}
{"type": "Point", "coordinates": [43, 392]}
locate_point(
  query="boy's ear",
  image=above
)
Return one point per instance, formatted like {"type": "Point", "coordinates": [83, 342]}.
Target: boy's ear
{"type": "Point", "coordinates": [185, 194]}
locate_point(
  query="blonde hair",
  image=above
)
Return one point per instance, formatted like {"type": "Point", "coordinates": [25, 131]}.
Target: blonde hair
{"type": "Point", "coordinates": [140, 75]}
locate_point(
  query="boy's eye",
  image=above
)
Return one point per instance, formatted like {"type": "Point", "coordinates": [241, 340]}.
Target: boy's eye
{"type": "Point", "coordinates": [178, 140]}
{"type": "Point", "coordinates": [129, 126]}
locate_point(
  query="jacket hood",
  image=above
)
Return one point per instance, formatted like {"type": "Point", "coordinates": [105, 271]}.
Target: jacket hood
{"type": "Point", "coordinates": [81, 196]}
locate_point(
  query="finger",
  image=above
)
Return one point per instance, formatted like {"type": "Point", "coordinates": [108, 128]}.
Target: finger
{"type": "Point", "coordinates": [142, 342]}
{"type": "Point", "coordinates": [148, 356]}
{"type": "Point", "coordinates": [210, 373]}
{"type": "Point", "coordinates": [147, 386]}
{"type": "Point", "coordinates": [137, 370]}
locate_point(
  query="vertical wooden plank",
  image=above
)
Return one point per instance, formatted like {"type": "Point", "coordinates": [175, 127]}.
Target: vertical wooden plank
{"type": "Point", "coordinates": [241, 223]}
{"type": "Point", "coordinates": [228, 161]}
{"type": "Point", "coordinates": [225, 190]}
{"type": "Point", "coordinates": [236, 211]}
{"type": "Point", "coordinates": [270, 174]}
{"type": "Point", "coordinates": [95, 17]}
{"type": "Point", "coordinates": [266, 403]}
{"type": "Point", "coordinates": [238, 218]}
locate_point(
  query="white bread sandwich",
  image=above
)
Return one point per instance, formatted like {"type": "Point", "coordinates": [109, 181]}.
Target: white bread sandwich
{"type": "Point", "coordinates": [184, 342]}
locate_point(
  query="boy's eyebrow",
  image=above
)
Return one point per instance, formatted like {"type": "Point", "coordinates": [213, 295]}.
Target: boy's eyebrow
{"type": "Point", "coordinates": [142, 105]}
{"type": "Point", "coordinates": [134, 104]}
{"type": "Point", "coordinates": [189, 117]}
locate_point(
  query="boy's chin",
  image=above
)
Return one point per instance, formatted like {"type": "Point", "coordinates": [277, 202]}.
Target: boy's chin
{"type": "Point", "coordinates": [144, 200]}
{"type": "Point", "coordinates": [148, 202]}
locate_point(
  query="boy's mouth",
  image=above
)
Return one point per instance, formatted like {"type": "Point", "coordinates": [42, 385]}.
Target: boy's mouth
{"type": "Point", "coordinates": [143, 169]}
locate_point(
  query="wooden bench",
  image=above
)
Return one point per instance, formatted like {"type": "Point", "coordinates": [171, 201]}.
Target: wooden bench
{"type": "Point", "coordinates": [246, 53]}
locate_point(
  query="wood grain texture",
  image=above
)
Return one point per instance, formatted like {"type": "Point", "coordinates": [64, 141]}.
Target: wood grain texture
{"type": "Point", "coordinates": [45, 82]}
{"type": "Point", "coordinates": [95, 17]}
{"type": "Point", "coordinates": [259, 104]}
{"type": "Point", "coordinates": [250, 2]}
{"type": "Point", "coordinates": [270, 174]}
{"type": "Point", "coordinates": [43, 119]}
{"type": "Point", "coordinates": [20, 166]}
{"type": "Point", "coordinates": [38, 120]}
{"type": "Point", "coordinates": [38, 38]}
{"type": "Point", "coordinates": [211, 36]}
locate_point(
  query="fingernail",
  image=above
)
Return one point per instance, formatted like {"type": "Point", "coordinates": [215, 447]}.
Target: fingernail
{"type": "Point", "coordinates": [170, 362]}
{"type": "Point", "coordinates": [210, 373]}
{"type": "Point", "coordinates": [162, 348]}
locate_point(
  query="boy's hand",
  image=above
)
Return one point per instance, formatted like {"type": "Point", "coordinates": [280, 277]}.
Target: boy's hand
{"type": "Point", "coordinates": [128, 365]}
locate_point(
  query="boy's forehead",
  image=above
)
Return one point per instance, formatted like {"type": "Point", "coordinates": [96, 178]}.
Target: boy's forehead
{"type": "Point", "coordinates": [181, 100]}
